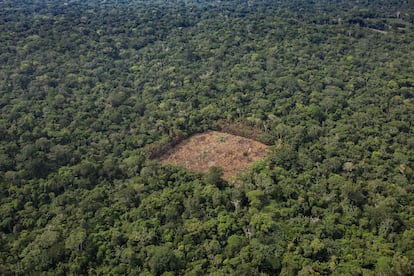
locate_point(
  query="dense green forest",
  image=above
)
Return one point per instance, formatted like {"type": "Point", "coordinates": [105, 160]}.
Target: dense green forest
{"type": "Point", "coordinates": [89, 89]}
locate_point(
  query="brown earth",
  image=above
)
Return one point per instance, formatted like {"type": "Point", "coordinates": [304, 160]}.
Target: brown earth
{"type": "Point", "coordinates": [213, 148]}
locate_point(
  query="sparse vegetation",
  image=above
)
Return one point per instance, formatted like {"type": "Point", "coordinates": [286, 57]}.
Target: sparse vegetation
{"type": "Point", "coordinates": [222, 138]}
{"type": "Point", "coordinates": [203, 151]}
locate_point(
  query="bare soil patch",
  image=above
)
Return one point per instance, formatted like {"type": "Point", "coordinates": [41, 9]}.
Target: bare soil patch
{"type": "Point", "coordinates": [213, 148]}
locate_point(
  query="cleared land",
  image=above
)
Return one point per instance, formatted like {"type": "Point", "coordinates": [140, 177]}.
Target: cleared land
{"type": "Point", "coordinates": [213, 148]}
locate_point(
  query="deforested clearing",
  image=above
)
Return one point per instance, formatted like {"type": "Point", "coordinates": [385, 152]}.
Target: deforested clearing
{"type": "Point", "coordinates": [213, 148]}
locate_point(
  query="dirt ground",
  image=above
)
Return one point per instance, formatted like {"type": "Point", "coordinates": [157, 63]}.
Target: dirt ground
{"type": "Point", "coordinates": [213, 148]}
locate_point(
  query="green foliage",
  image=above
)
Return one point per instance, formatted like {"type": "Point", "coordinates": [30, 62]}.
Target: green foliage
{"type": "Point", "coordinates": [90, 91]}
{"type": "Point", "coordinates": [214, 175]}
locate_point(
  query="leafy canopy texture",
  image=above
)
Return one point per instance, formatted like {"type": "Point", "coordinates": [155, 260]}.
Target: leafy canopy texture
{"type": "Point", "coordinates": [92, 92]}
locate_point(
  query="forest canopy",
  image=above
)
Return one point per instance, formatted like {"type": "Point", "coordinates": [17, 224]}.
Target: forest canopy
{"type": "Point", "coordinates": [89, 89]}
